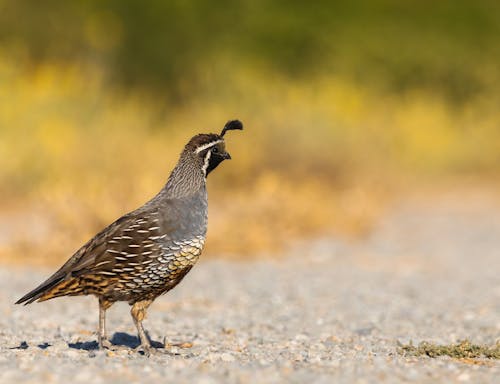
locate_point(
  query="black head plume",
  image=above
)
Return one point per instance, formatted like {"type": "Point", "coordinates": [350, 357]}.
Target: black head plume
{"type": "Point", "coordinates": [231, 126]}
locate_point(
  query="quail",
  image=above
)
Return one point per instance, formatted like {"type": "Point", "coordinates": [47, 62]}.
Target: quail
{"type": "Point", "coordinates": [146, 252]}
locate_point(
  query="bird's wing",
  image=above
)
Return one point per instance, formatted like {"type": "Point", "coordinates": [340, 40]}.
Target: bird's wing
{"type": "Point", "coordinates": [128, 241]}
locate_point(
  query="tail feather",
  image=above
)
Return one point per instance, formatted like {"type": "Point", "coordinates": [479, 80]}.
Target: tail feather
{"type": "Point", "coordinates": [41, 290]}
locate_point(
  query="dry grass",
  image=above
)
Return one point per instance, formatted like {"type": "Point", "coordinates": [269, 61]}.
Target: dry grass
{"type": "Point", "coordinates": [316, 158]}
{"type": "Point", "coordinates": [463, 350]}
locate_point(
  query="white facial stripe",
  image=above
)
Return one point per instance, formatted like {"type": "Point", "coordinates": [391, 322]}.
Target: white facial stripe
{"type": "Point", "coordinates": [208, 145]}
{"type": "Point", "coordinates": [205, 164]}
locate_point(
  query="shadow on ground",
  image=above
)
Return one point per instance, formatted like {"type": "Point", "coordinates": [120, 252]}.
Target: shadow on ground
{"type": "Point", "coordinates": [119, 339]}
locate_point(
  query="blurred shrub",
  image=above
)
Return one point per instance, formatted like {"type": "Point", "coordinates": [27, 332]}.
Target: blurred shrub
{"type": "Point", "coordinates": [451, 47]}
{"type": "Point", "coordinates": [315, 158]}
{"type": "Point", "coordinates": [343, 103]}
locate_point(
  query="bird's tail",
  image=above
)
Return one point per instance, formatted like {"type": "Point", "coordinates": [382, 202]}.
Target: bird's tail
{"type": "Point", "coordinates": [47, 290]}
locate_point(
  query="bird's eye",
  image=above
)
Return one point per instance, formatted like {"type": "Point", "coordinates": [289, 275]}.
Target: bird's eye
{"type": "Point", "coordinates": [215, 150]}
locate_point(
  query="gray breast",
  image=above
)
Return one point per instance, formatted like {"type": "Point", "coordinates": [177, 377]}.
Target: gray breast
{"type": "Point", "coordinates": [184, 218]}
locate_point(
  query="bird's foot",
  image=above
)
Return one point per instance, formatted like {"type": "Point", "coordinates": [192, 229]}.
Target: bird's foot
{"type": "Point", "coordinates": [105, 344]}
{"type": "Point", "coordinates": [146, 350]}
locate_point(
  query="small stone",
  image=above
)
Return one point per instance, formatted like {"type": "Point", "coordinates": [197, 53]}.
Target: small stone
{"type": "Point", "coordinates": [174, 350]}
{"type": "Point", "coordinates": [72, 354]}
{"type": "Point", "coordinates": [301, 337]}
{"type": "Point", "coordinates": [213, 357]}
{"type": "Point", "coordinates": [358, 347]}
{"type": "Point", "coordinates": [227, 357]}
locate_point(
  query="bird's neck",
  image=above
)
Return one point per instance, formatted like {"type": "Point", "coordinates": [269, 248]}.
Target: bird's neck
{"type": "Point", "coordinates": [186, 179]}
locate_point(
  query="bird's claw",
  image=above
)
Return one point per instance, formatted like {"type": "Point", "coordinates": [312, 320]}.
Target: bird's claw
{"type": "Point", "coordinates": [107, 345]}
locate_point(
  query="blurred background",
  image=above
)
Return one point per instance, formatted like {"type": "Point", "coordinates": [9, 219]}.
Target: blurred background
{"type": "Point", "coordinates": [348, 106]}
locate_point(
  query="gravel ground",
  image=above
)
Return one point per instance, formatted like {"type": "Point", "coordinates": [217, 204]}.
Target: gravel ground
{"type": "Point", "coordinates": [329, 311]}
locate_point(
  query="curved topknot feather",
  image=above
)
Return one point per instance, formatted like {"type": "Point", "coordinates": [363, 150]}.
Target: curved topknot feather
{"type": "Point", "coordinates": [231, 126]}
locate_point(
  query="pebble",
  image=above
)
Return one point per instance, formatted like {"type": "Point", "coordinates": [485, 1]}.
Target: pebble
{"type": "Point", "coordinates": [227, 357]}
{"type": "Point", "coordinates": [463, 377]}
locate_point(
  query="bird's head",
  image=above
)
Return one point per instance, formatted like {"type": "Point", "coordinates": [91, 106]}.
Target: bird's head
{"type": "Point", "coordinates": [209, 149]}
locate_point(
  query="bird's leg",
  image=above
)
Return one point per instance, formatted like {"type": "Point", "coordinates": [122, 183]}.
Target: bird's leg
{"type": "Point", "coordinates": [102, 336]}
{"type": "Point", "coordinates": [138, 312]}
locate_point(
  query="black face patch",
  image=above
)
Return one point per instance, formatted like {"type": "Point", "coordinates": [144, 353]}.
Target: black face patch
{"type": "Point", "coordinates": [214, 161]}
{"type": "Point", "coordinates": [213, 156]}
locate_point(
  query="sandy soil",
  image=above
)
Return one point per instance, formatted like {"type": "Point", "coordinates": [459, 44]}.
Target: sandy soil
{"type": "Point", "coordinates": [329, 310]}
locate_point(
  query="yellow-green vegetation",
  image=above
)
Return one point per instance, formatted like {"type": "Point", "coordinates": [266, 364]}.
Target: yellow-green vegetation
{"type": "Point", "coordinates": [462, 350]}
{"type": "Point", "coordinates": [343, 104]}
{"type": "Point", "coordinates": [314, 158]}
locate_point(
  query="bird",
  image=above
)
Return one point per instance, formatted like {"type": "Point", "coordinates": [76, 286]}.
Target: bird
{"type": "Point", "coordinates": [148, 251]}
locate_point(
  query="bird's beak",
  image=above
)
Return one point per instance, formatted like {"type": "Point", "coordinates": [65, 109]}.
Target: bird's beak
{"type": "Point", "coordinates": [226, 156]}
